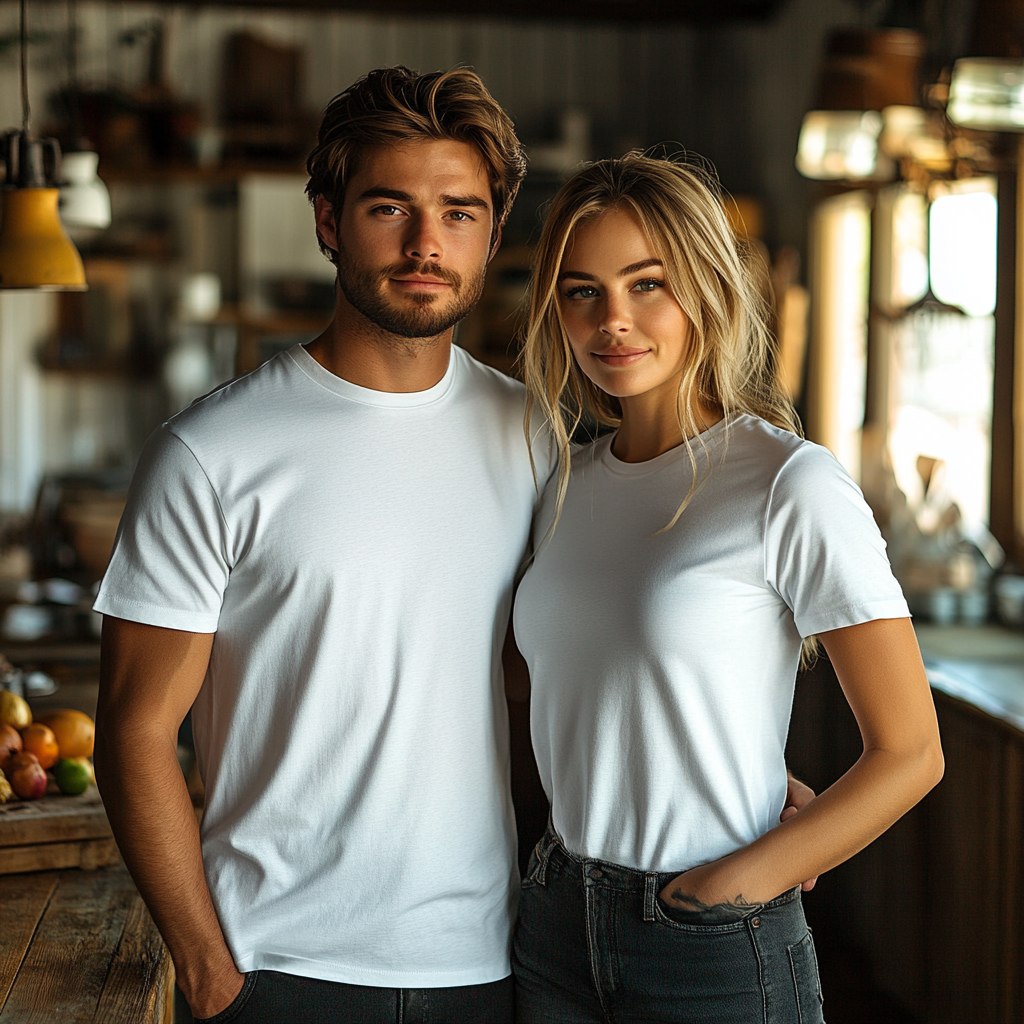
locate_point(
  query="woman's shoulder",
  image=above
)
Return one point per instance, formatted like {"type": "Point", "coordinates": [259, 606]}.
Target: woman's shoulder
{"type": "Point", "coordinates": [778, 449]}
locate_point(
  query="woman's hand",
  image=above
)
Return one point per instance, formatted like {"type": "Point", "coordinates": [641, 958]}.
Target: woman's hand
{"type": "Point", "coordinates": [705, 888]}
{"type": "Point", "coordinates": [879, 668]}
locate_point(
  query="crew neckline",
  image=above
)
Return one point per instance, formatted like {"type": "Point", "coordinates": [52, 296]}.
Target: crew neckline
{"type": "Point", "coordinates": [706, 438]}
{"type": "Point", "coordinates": [368, 396]}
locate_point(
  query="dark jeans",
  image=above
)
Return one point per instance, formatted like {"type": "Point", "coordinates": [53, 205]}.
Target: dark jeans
{"type": "Point", "coordinates": [595, 944]}
{"type": "Point", "coordinates": [268, 997]}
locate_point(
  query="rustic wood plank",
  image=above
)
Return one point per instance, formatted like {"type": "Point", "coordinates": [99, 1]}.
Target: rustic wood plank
{"type": "Point", "coordinates": [23, 901]}
{"type": "Point", "coordinates": [53, 819]}
{"type": "Point", "coordinates": [86, 854]}
{"type": "Point", "coordinates": [75, 948]}
{"type": "Point", "coordinates": [140, 983]}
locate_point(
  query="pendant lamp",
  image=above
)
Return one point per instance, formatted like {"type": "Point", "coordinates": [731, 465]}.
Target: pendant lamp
{"type": "Point", "coordinates": [84, 200]}
{"type": "Point", "coordinates": [34, 250]}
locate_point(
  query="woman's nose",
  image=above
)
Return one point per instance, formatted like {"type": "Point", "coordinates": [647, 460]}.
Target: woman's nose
{"type": "Point", "coordinates": [616, 318]}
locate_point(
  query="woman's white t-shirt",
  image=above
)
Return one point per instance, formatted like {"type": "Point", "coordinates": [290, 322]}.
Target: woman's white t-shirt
{"type": "Point", "coordinates": [663, 664]}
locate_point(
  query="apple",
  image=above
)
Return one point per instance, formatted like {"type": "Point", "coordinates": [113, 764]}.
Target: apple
{"type": "Point", "coordinates": [10, 744]}
{"type": "Point", "coordinates": [28, 780]}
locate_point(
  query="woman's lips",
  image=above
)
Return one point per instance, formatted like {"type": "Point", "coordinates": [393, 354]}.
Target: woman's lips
{"type": "Point", "coordinates": [620, 356]}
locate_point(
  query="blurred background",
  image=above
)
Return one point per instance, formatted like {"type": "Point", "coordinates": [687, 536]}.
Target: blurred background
{"type": "Point", "coordinates": [871, 154]}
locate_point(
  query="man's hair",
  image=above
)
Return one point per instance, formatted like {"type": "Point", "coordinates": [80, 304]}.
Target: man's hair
{"type": "Point", "coordinates": [391, 106]}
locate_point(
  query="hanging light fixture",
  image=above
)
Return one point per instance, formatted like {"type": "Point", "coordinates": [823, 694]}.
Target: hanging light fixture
{"type": "Point", "coordinates": [84, 200]}
{"type": "Point", "coordinates": [34, 250]}
{"type": "Point", "coordinates": [987, 94]}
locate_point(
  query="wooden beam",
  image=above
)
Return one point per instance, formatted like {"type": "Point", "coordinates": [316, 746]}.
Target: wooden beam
{"type": "Point", "coordinates": [684, 11]}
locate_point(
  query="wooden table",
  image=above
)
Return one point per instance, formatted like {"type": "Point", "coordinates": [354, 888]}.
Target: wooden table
{"type": "Point", "coordinates": [80, 946]}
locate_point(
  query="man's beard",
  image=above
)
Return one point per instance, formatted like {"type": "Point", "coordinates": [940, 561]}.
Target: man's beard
{"type": "Point", "coordinates": [418, 318]}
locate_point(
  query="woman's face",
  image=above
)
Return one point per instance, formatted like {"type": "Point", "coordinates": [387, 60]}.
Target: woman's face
{"type": "Point", "coordinates": [627, 331]}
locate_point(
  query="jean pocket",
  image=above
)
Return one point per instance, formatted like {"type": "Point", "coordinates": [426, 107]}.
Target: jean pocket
{"type": "Point", "coordinates": [235, 1007]}
{"type": "Point", "coordinates": [803, 963]}
{"type": "Point", "coordinates": [723, 917]}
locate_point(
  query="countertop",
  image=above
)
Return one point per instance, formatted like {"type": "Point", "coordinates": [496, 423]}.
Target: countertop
{"type": "Point", "coordinates": [981, 665]}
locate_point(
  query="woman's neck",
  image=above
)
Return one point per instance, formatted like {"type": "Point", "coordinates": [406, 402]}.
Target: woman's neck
{"type": "Point", "coordinates": [650, 427]}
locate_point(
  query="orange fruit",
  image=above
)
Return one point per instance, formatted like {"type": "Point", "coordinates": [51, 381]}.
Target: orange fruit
{"type": "Point", "coordinates": [39, 739]}
{"type": "Point", "coordinates": [75, 731]}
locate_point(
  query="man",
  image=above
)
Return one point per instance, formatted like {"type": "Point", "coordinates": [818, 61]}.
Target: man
{"type": "Point", "coordinates": [318, 559]}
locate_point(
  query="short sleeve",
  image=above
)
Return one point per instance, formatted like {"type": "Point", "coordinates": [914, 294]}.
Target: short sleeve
{"type": "Point", "coordinates": [824, 554]}
{"type": "Point", "coordinates": [170, 563]}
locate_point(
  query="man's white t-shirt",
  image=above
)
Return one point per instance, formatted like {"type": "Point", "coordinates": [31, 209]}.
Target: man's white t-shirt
{"type": "Point", "coordinates": [354, 551]}
{"type": "Point", "coordinates": [663, 664]}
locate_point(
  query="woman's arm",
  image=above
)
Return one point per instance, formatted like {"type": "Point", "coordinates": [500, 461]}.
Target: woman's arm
{"type": "Point", "coordinates": [879, 667]}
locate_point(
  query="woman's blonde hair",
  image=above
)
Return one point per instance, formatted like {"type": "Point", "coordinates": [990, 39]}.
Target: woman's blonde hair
{"type": "Point", "coordinates": [679, 208]}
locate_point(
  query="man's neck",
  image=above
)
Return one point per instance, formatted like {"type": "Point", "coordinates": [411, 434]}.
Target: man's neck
{"type": "Point", "coordinates": [357, 350]}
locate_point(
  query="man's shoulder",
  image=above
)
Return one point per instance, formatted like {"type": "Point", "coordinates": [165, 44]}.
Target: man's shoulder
{"type": "Point", "coordinates": [486, 380]}
{"type": "Point", "coordinates": [240, 404]}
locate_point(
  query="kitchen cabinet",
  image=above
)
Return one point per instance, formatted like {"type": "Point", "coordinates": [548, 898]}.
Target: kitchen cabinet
{"type": "Point", "coordinates": [934, 907]}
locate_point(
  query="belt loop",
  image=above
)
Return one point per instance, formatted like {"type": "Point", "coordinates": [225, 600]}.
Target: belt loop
{"type": "Point", "coordinates": [650, 894]}
{"type": "Point", "coordinates": [545, 848]}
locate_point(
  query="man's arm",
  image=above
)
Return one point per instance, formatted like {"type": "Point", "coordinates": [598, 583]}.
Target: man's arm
{"type": "Point", "coordinates": [149, 677]}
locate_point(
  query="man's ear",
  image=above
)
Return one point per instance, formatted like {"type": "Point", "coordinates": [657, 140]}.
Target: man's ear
{"type": "Point", "coordinates": [495, 242]}
{"type": "Point", "coordinates": [326, 228]}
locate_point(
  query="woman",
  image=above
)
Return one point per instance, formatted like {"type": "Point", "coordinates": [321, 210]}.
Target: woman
{"type": "Point", "coordinates": [682, 562]}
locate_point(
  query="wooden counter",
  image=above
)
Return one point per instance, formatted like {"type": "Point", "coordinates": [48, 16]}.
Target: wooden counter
{"type": "Point", "coordinates": [935, 907]}
{"type": "Point", "coordinates": [80, 946]}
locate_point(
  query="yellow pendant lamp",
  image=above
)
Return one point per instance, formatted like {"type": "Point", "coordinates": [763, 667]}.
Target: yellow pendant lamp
{"type": "Point", "coordinates": [34, 251]}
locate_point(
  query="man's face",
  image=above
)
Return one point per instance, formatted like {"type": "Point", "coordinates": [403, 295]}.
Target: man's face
{"type": "Point", "coordinates": [414, 236]}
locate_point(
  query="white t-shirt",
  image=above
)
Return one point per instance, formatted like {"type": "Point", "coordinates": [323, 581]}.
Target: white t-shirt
{"type": "Point", "coordinates": [354, 551]}
{"type": "Point", "coordinates": [663, 664]}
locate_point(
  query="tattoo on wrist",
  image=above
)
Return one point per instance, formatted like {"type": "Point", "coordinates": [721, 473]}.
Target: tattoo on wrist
{"type": "Point", "coordinates": [738, 903]}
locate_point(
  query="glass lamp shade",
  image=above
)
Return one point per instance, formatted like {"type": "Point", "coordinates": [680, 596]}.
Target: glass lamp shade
{"type": "Point", "coordinates": [34, 251]}
{"type": "Point", "coordinates": [987, 94]}
{"type": "Point", "coordinates": [84, 199]}
{"type": "Point", "coordinates": [839, 144]}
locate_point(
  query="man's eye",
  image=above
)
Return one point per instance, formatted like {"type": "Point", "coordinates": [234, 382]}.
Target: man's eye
{"type": "Point", "coordinates": [581, 291]}
{"type": "Point", "coordinates": [388, 211]}
{"type": "Point", "coordinates": [649, 285]}
{"type": "Point", "coordinates": [459, 216]}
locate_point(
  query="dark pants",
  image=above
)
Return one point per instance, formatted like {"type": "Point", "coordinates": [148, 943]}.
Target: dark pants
{"type": "Point", "coordinates": [268, 997]}
{"type": "Point", "coordinates": [595, 944]}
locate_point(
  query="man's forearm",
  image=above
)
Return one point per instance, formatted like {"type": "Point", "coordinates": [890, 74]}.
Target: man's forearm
{"type": "Point", "coordinates": [155, 826]}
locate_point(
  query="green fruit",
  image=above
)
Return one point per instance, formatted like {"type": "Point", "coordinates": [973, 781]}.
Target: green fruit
{"type": "Point", "coordinates": [72, 777]}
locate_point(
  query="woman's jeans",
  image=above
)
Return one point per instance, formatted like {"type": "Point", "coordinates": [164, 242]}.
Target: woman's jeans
{"type": "Point", "coordinates": [595, 944]}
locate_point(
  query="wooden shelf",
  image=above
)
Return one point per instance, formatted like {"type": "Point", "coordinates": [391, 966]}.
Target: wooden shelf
{"type": "Point", "coordinates": [191, 174]}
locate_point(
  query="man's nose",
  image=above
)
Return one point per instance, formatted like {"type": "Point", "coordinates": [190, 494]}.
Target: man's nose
{"type": "Point", "coordinates": [423, 241]}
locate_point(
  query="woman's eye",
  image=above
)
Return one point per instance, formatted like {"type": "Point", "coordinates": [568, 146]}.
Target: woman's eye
{"type": "Point", "coordinates": [581, 291]}
{"type": "Point", "coordinates": [649, 285]}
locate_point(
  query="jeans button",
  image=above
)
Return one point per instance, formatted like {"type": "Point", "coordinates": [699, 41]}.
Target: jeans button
{"type": "Point", "coordinates": [756, 922]}
{"type": "Point", "coordinates": [596, 872]}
